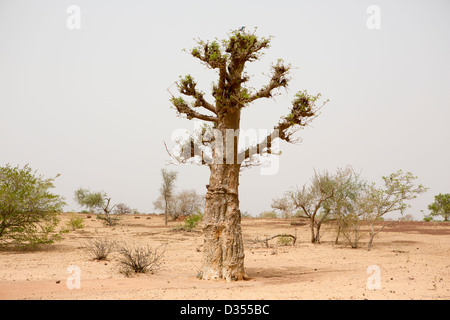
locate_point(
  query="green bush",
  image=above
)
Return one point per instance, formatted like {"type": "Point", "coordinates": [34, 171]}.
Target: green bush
{"type": "Point", "coordinates": [285, 240]}
{"type": "Point", "coordinates": [192, 221]}
{"type": "Point", "coordinates": [29, 212]}
{"type": "Point", "coordinates": [75, 222]}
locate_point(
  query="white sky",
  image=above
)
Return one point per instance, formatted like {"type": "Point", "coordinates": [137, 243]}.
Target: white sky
{"type": "Point", "coordinates": [92, 104]}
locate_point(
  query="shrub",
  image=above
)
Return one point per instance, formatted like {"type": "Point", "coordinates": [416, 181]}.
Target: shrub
{"type": "Point", "coordinates": [268, 215]}
{"type": "Point", "coordinates": [29, 212]}
{"type": "Point", "coordinates": [75, 222]}
{"type": "Point", "coordinates": [140, 259]}
{"type": "Point", "coordinates": [108, 219]}
{"type": "Point", "coordinates": [285, 240]}
{"type": "Point", "coordinates": [192, 221]}
{"type": "Point", "coordinates": [100, 249]}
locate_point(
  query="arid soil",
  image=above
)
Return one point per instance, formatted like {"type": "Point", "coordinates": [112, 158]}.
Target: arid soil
{"type": "Point", "coordinates": [413, 260]}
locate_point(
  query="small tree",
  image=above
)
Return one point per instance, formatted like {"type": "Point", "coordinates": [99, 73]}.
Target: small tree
{"type": "Point", "coordinates": [189, 202]}
{"type": "Point", "coordinates": [284, 206]}
{"type": "Point", "coordinates": [122, 208]}
{"type": "Point", "coordinates": [309, 200]}
{"type": "Point", "coordinates": [441, 206]}
{"type": "Point", "coordinates": [167, 189]}
{"type": "Point", "coordinates": [356, 205]}
{"type": "Point", "coordinates": [108, 216]}
{"type": "Point", "coordinates": [398, 188]}
{"type": "Point", "coordinates": [97, 202]}
{"type": "Point", "coordinates": [184, 203]}
{"type": "Point", "coordinates": [347, 206]}
{"type": "Point", "coordinates": [28, 210]}
{"type": "Point", "coordinates": [88, 199]}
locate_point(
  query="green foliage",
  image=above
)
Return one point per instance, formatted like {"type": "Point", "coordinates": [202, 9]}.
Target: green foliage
{"type": "Point", "coordinates": [75, 222]}
{"type": "Point", "coordinates": [88, 199]}
{"type": "Point", "coordinates": [285, 240]}
{"type": "Point", "coordinates": [108, 219]}
{"type": "Point", "coordinates": [441, 206]}
{"type": "Point", "coordinates": [28, 210]}
{"type": "Point", "coordinates": [399, 187]}
{"type": "Point", "coordinates": [191, 222]}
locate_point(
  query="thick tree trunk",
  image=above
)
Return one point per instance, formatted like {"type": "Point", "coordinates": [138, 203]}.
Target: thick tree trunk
{"type": "Point", "coordinates": [223, 245]}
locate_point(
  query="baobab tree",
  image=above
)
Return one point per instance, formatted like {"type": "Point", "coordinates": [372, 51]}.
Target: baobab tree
{"type": "Point", "coordinates": [223, 244]}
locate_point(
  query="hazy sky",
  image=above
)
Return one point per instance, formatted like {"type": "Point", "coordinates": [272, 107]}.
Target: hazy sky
{"type": "Point", "coordinates": [92, 103]}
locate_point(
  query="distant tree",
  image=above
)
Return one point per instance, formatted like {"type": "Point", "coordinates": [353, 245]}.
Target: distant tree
{"type": "Point", "coordinates": [309, 200]}
{"type": "Point", "coordinates": [28, 210]}
{"type": "Point", "coordinates": [347, 206]}
{"type": "Point", "coordinates": [122, 208]}
{"type": "Point", "coordinates": [108, 214]}
{"type": "Point", "coordinates": [88, 199]}
{"type": "Point", "coordinates": [99, 203]}
{"type": "Point", "coordinates": [398, 188]}
{"type": "Point", "coordinates": [283, 205]}
{"type": "Point", "coordinates": [167, 189]}
{"type": "Point", "coordinates": [183, 203]}
{"type": "Point", "coordinates": [189, 202]}
{"type": "Point", "coordinates": [408, 217]}
{"type": "Point", "coordinates": [441, 206]}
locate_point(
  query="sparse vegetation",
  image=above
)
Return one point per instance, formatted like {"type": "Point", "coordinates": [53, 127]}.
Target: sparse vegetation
{"type": "Point", "coordinates": [140, 258]}
{"type": "Point", "coordinates": [100, 203]}
{"type": "Point", "coordinates": [122, 208]}
{"type": "Point", "coordinates": [99, 249]}
{"type": "Point", "coordinates": [75, 222]}
{"type": "Point", "coordinates": [268, 215]}
{"type": "Point", "coordinates": [312, 201]}
{"type": "Point", "coordinates": [167, 190]}
{"type": "Point", "coordinates": [181, 204]}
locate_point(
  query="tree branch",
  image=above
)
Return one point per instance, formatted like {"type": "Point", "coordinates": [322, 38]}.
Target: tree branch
{"type": "Point", "coordinates": [279, 79]}
{"type": "Point", "coordinates": [187, 86]}
{"type": "Point", "coordinates": [184, 108]}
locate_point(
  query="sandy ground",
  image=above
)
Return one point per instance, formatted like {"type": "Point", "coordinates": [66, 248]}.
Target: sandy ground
{"type": "Point", "coordinates": [412, 259]}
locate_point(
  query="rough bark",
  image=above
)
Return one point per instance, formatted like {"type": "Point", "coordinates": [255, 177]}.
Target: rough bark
{"type": "Point", "coordinates": [223, 245]}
